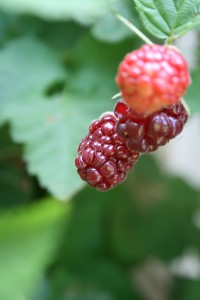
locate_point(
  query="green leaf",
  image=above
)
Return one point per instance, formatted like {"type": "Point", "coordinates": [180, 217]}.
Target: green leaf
{"type": "Point", "coordinates": [186, 288]}
{"type": "Point", "coordinates": [28, 240]}
{"type": "Point", "coordinates": [41, 290]}
{"type": "Point", "coordinates": [52, 127]}
{"type": "Point", "coordinates": [140, 224]}
{"type": "Point", "coordinates": [106, 275]}
{"type": "Point", "coordinates": [168, 19]}
{"type": "Point", "coordinates": [84, 258]}
{"type": "Point", "coordinates": [82, 11]}
{"type": "Point", "coordinates": [26, 66]}
{"type": "Point", "coordinates": [51, 131]}
{"type": "Point", "coordinates": [88, 294]}
{"type": "Point", "coordinates": [192, 95]}
{"type": "Point", "coordinates": [108, 28]}
{"type": "Point", "coordinates": [16, 187]}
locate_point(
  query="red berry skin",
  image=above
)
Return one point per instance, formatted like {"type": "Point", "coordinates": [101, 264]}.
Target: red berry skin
{"type": "Point", "coordinates": [145, 134]}
{"type": "Point", "coordinates": [103, 158]}
{"type": "Point", "coordinates": [152, 77]}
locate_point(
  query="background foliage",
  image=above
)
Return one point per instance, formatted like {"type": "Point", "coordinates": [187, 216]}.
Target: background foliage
{"type": "Point", "coordinates": [58, 60]}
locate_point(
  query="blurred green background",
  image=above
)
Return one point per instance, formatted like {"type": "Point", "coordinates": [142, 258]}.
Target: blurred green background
{"type": "Point", "coordinates": [59, 239]}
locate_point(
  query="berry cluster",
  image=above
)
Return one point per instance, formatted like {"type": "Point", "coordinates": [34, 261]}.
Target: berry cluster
{"type": "Point", "coordinates": [152, 81]}
{"type": "Point", "coordinates": [103, 158]}
{"type": "Point", "coordinates": [152, 77]}
{"type": "Point", "coordinates": [146, 133]}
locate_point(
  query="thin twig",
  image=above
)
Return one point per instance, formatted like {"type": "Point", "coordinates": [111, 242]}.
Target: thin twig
{"type": "Point", "coordinates": [116, 96]}
{"type": "Point", "coordinates": [186, 106]}
{"type": "Point", "coordinates": [134, 29]}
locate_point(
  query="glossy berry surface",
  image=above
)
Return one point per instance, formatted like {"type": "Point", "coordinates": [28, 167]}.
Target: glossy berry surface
{"type": "Point", "coordinates": [152, 77]}
{"type": "Point", "coordinates": [146, 134]}
{"type": "Point", "coordinates": [103, 158]}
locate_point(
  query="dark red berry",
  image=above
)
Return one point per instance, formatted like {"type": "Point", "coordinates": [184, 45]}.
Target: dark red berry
{"type": "Point", "coordinates": [152, 77]}
{"type": "Point", "coordinates": [146, 134]}
{"type": "Point", "coordinates": [103, 158]}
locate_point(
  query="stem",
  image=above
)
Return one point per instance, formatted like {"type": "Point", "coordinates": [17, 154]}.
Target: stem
{"type": "Point", "coordinates": [169, 40]}
{"type": "Point", "coordinates": [134, 29]}
{"type": "Point", "coordinates": [186, 106]}
{"type": "Point", "coordinates": [116, 96]}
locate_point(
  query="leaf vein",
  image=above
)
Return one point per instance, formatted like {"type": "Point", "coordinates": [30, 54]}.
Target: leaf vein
{"type": "Point", "coordinates": [178, 12]}
{"type": "Point", "coordinates": [175, 5]}
{"type": "Point", "coordinates": [162, 15]}
{"type": "Point", "coordinates": [155, 24]}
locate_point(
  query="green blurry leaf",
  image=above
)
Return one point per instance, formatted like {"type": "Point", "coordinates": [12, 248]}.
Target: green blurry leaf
{"type": "Point", "coordinates": [51, 131]}
{"type": "Point", "coordinates": [61, 35]}
{"type": "Point", "coordinates": [52, 127]}
{"type": "Point", "coordinates": [186, 289]}
{"type": "Point", "coordinates": [192, 95]}
{"type": "Point", "coordinates": [168, 19]}
{"type": "Point", "coordinates": [107, 275]}
{"type": "Point", "coordinates": [154, 219]}
{"type": "Point", "coordinates": [41, 290]}
{"type": "Point", "coordinates": [16, 187]}
{"type": "Point", "coordinates": [127, 230]}
{"type": "Point", "coordinates": [108, 28]}
{"type": "Point", "coordinates": [6, 24]}
{"type": "Point", "coordinates": [87, 294]}
{"type": "Point", "coordinates": [13, 26]}
{"type": "Point", "coordinates": [28, 240]}
{"type": "Point", "coordinates": [84, 258]}
{"type": "Point", "coordinates": [85, 234]}
{"type": "Point", "coordinates": [180, 205]}
{"type": "Point", "coordinates": [84, 12]}
{"type": "Point", "coordinates": [26, 66]}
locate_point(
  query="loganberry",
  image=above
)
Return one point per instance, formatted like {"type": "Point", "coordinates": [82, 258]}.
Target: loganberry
{"type": "Point", "coordinates": [103, 158]}
{"type": "Point", "coordinates": [146, 134]}
{"type": "Point", "coordinates": [152, 77]}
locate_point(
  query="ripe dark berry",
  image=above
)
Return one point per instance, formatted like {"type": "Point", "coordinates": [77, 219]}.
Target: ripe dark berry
{"type": "Point", "coordinates": [103, 158]}
{"type": "Point", "coordinates": [152, 77]}
{"type": "Point", "coordinates": [146, 134]}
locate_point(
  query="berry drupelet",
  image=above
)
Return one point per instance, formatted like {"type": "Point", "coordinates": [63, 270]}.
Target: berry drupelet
{"type": "Point", "coordinates": [152, 77]}
{"type": "Point", "coordinates": [146, 134]}
{"type": "Point", "coordinates": [103, 158]}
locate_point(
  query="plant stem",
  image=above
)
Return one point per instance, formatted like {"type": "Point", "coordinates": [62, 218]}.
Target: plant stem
{"type": "Point", "coordinates": [134, 29]}
{"type": "Point", "coordinates": [116, 96]}
{"type": "Point", "coordinates": [186, 106]}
